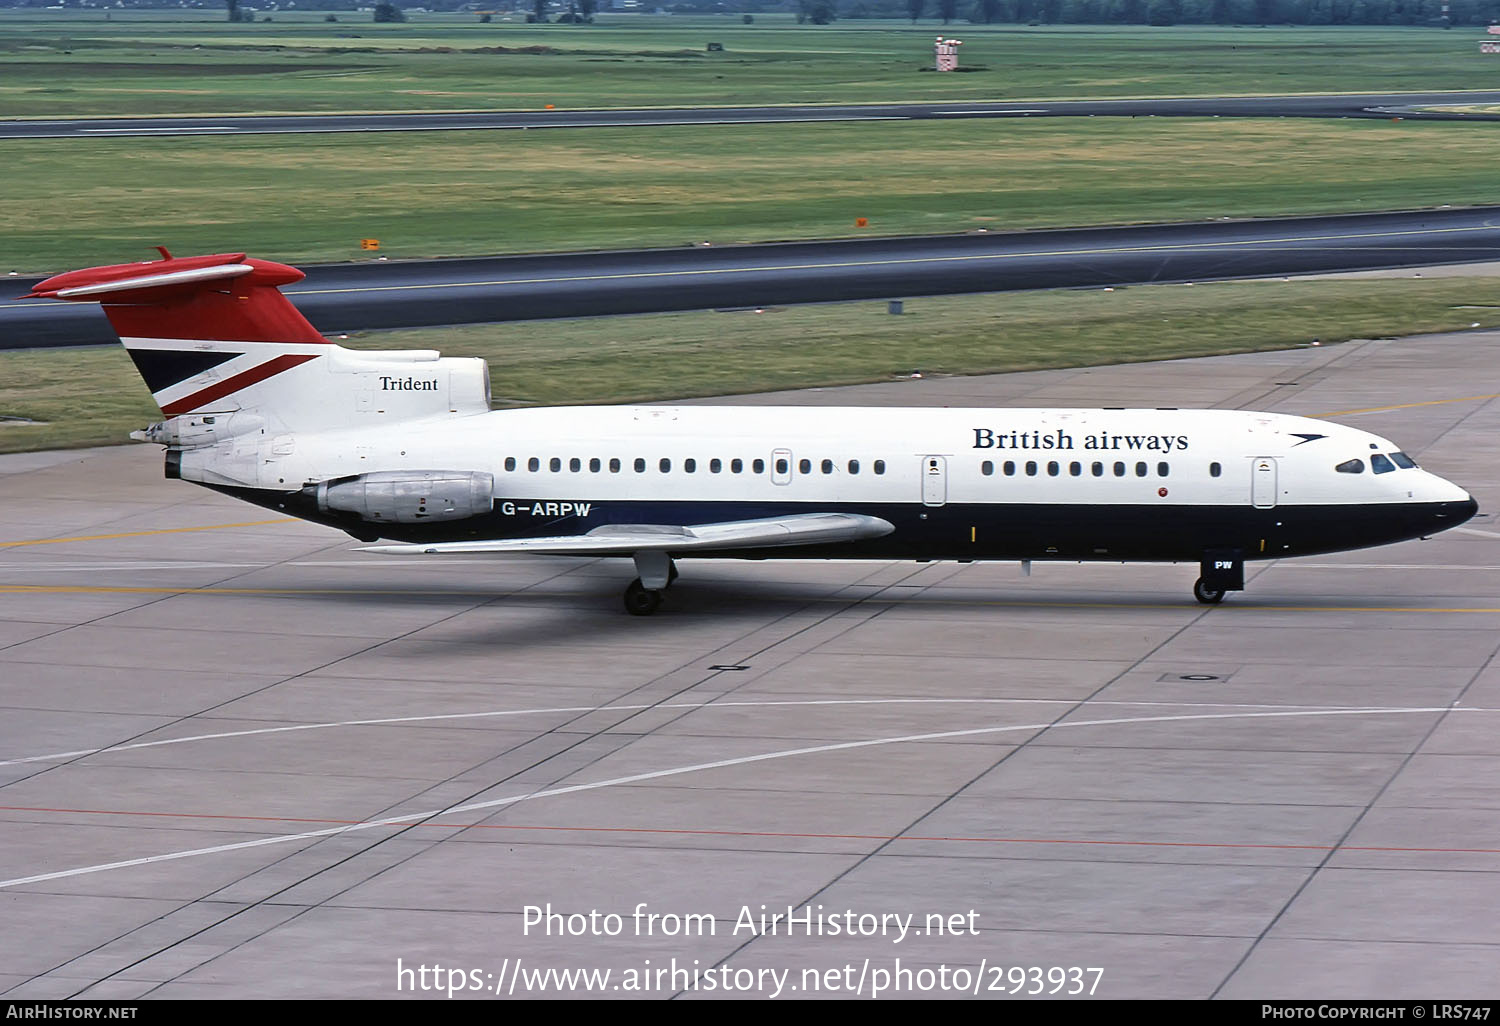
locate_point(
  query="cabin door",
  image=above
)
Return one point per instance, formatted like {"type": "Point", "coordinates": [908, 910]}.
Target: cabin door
{"type": "Point", "coordinates": [1263, 482]}
{"type": "Point", "coordinates": [934, 480]}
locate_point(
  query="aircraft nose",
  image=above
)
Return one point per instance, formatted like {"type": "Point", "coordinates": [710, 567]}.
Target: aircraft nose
{"type": "Point", "coordinates": [1451, 514]}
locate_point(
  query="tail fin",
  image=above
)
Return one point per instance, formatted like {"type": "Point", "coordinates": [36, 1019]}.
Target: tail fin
{"type": "Point", "coordinates": [214, 335]}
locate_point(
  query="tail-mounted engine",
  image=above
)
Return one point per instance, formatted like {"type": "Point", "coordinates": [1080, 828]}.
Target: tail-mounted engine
{"type": "Point", "coordinates": [192, 431]}
{"type": "Point", "coordinates": [408, 497]}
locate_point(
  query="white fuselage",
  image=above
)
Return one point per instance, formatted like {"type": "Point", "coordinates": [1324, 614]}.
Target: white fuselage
{"type": "Point", "coordinates": [570, 469]}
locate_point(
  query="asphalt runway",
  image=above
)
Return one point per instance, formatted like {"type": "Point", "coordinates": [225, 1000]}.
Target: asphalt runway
{"type": "Point", "coordinates": [240, 759]}
{"type": "Point", "coordinates": [1337, 105]}
{"type": "Point", "coordinates": [355, 297]}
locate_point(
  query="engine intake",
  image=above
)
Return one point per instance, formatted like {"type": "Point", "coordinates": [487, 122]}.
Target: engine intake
{"type": "Point", "coordinates": [410, 497]}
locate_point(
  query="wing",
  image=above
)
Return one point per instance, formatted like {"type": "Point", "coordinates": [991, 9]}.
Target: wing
{"type": "Point", "coordinates": [627, 539]}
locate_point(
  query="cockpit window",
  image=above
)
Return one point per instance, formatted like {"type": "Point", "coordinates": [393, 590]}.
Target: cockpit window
{"type": "Point", "coordinates": [1403, 461]}
{"type": "Point", "coordinates": [1351, 467]}
{"type": "Point", "coordinates": [1380, 464]}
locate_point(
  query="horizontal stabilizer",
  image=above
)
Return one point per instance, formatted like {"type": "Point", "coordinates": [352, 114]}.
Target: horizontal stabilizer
{"type": "Point", "coordinates": [171, 279]}
{"type": "Point", "coordinates": [221, 297]}
{"type": "Point", "coordinates": [625, 539]}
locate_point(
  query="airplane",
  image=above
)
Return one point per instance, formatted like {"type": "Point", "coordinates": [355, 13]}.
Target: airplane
{"type": "Point", "coordinates": [403, 446]}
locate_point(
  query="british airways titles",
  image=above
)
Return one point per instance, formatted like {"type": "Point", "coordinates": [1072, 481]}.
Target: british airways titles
{"type": "Point", "coordinates": [991, 438]}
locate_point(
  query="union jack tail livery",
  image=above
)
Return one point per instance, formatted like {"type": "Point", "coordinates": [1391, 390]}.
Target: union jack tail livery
{"type": "Point", "coordinates": [227, 357]}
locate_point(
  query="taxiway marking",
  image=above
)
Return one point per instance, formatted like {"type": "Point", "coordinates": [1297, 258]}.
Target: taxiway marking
{"type": "Point", "coordinates": [143, 534]}
{"type": "Point", "coordinates": [411, 819]}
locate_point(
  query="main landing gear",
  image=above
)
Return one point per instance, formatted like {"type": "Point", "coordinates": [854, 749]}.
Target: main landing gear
{"type": "Point", "coordinates": [657, 572]}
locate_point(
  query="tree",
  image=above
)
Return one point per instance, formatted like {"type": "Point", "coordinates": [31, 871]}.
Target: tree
{"type": "Point", "coordinates": [539, 9]}
{"type": "Point", "coordinates": [234, 9]}
{"type": "Point", "coordinates": [914, 8]}
{"type": "Point", "coordinates": [387, 11]}
{"type": "Point", "coordinates": [587, 8]}
{"type": "Point", "coordinates": [948, 9]}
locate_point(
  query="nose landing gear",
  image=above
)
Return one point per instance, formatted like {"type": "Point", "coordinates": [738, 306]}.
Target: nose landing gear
{"type": "Point", "coordinates": [1222, 570]}
{"type": "Point", "coordinates": [1206, 593]}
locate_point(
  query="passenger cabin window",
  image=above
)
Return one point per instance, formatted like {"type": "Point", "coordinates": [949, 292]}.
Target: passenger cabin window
{"type": "Point", "coordinates": [828, 466]}
{"type": "Point", "coordinates": [510, 463]}
{"type": "Point", "coordinates": [1140, 470]}
{"type": "Point", "coordinates": [781, 466]}
{"type": "Point", "coordinates": [1162, 469]}
{"type": "Point", "coordinates": [987, 468]}
{"type": "Point", "coordinates": [664, 465]}
{"type": "Point", "coordinates": [614, 466]}
{"type": "Point", "coordinates": [1052, 468]}
{"type": "Point", "coordinates": [715, 465]}
{"type": "Point", "coordinates": [854, 466]}
{"type": "Point", "coordinates": [880, 466]}
{"type": "Point", "coordinates": [534, 464]}
{"type": "Point", "coordinates": [804, 466]}
{"type": "Point", "coordinates": [759, 466]}
{"type": "Point", "coordinates": [554, 464]}
{"type": "Point", "coordinates": [690, 465]}
{"type": "Point", "coordinates": [1403, 461]}
{"type": "Point", "coordinates": [594, 465]}
{"type": "Point", "coordinates": [575, 464]}
{"type": "Point", "coordinates": [1119, 469]}
{"type": "Point", "coordinates": [1098, 469]}
{"type": "Point", "coordinates": [1009, 468]}
{"type": "Point", "coordinates": [1351, 467]}
{"type": "Point", "coordinates": [1214, 470]}
{"type": "Point", "coordinates": [1380, 464]}
{"type": "Point", "coordinates": [1076, 469]}
{"type": "Point", "coordinates": [1031, 468]}
{"type": "Point", "coordinates": [640, 465]}
{"type": "Point", "coordinates": [735, 466]}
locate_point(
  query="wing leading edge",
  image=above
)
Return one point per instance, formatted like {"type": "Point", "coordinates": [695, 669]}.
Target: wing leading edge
{"type": "Point", "coordinates": [628, 539]}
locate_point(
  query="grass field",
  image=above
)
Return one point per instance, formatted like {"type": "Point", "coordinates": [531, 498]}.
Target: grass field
{"type": "Point", "coordinates": [76, 63]}
{"type": "Point", "coordinates": [72, 203]}
{"type": "Point", "coordinates": [94, 397]}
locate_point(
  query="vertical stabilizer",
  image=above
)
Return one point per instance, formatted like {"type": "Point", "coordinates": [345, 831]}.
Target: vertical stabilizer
{"type": "Point", "coordinates": [213, 336]}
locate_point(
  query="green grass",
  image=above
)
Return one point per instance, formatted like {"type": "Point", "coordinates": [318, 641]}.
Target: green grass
{"type": "Point", "coordinates": [70, 203]}
{"type": "Point", "coordinates": [93, 396]}
{"type": "Point", "coordinates": [75, 63]}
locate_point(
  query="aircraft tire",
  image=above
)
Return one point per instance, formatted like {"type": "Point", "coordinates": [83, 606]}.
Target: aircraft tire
{"type": "Point", "coordinates": [641, 601]}
{"type": "Point", "coordinates": [1208, 596]}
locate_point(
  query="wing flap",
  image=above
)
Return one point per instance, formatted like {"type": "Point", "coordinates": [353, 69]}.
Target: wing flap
{"type": "Point", "coordinates": [625, 539]}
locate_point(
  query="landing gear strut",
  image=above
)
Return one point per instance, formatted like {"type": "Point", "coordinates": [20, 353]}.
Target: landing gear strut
{"type": "Point", "coordinates": [657, 572]}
